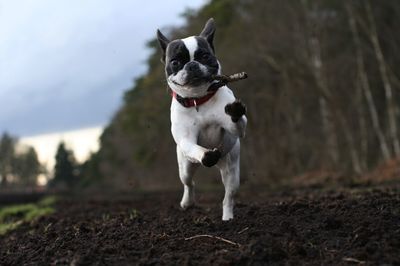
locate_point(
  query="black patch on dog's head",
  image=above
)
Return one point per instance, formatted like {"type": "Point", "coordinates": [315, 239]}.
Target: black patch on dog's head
{"type": "Point", "coordinates": [205, 55]}
{"type": "Point", "coordinates": [177, 56]}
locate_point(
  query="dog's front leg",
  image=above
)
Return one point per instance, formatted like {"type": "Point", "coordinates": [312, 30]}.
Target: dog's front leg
{"type": "Point", "coordinates": [186, 139]}
{"type": "Point", "coordinates": [238, 123]}
{"type": "Point", "coordinates": [198, 154]}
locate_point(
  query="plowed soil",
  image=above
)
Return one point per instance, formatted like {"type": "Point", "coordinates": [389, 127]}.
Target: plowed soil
{"type": "Point", "coordinates": [304, 227]}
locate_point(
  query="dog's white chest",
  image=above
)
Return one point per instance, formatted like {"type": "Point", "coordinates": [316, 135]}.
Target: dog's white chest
{"type": "Point", "coordinates": [211, 136]}
{"type": "Point", "coordinates": [205, 126]}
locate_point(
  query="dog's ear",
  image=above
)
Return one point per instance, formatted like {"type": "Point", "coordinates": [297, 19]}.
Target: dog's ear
{"type": "Point", "coordinates": [208, 32]}
{"type": "Point", "coordinates": [163, 41]}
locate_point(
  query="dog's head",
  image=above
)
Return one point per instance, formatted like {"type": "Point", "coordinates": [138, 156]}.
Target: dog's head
{"type": "Point", "coordinates": [190, 63]}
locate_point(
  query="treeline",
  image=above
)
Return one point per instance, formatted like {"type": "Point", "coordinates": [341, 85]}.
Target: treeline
{"type": "Point", "coordinates": [322, 94]}
{"type": "Point", "coordinates": [18, 168]}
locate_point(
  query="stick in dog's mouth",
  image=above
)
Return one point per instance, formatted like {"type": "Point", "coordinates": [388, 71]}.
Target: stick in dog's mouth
{"type": "Point", "coordinates": [231, 78]}
{"type": "Point", "coordinates": [222, 78]}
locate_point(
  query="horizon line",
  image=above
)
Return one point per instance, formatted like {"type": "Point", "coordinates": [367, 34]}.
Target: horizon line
{"type": "Point", "coordinates": [62, 132]}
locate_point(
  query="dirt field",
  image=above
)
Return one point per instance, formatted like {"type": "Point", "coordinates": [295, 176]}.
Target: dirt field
{"type": "Point", "coordinates": [288, 227]}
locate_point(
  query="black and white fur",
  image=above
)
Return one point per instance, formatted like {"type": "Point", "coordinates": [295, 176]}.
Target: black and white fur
{"type": "Point", "coordinates": [209, 134]}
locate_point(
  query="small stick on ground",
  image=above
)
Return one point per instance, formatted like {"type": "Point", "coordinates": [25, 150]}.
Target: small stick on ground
{"type": "Point", "coordinates": [354, 260]}
{"type": "Point", "coordinates": [241, 231]}
{"type": "Point", "coordinates": [215, 237]}
{"type": "Point", "coordinates": [231, 78]}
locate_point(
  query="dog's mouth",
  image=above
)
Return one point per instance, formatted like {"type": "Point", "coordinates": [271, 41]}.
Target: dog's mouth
{"type": "Point", "coordinates": [194, 81]}
{"type": "Point", "coordinates": [176, 83]}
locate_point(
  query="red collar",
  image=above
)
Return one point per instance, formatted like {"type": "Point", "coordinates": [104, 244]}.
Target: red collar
{"type": "Point", "coordinates": [190, 102]}
{"type": "Point", "coordinates": [195, 102]}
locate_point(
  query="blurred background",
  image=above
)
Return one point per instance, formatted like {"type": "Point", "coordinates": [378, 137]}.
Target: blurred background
{"type": "Point", "coordinates": [85, 105]}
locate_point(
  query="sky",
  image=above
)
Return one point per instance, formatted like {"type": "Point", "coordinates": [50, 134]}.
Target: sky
{"type": "Point", "coordinates": [65, 64]}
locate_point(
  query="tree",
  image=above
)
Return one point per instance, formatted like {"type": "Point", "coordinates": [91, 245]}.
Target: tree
{"type": "Point", "coordinates": [64, 170]}
{"type": "Point", "coordinates": [22, 168]}
{"type": "Point", "coordinates": [7, 156]}
{"type": "Point", "coordinates": [364, 83]}
{"type": "Point", "coordinates": [27, 167]}
{"type": "Point", "coordinates": [389, 95]}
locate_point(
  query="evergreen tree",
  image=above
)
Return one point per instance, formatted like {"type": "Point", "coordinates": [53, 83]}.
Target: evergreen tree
{"type": "Point", "coordinates": [64, 171]}
{"type": "Point", "coordinates": [27, 167]}
{"type": "Point", "coordinates": [7, 157]}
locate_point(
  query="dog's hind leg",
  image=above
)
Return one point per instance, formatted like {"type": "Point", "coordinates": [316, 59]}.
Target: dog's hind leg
{"type": "Point", "coordinates": [186, 172]}
{"type": "Point", "coordinates": [230, 172]}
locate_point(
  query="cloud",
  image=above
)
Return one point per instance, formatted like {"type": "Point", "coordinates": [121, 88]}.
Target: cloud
{"type": "Point", "coordinates": [64, 64]}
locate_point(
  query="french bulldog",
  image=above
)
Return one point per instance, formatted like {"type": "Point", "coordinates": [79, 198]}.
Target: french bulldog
{"type": "Point", "coordinates": [207, 121]}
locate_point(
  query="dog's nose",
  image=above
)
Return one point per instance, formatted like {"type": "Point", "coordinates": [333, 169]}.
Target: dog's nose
{"type": "Point", "coordinates": [192, 66]}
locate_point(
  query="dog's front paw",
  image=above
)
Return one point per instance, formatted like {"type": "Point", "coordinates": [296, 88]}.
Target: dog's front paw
{"type": "Point", "coordinates": [235, 110]}
{"type": "Point", "coordinates": [211, 157]}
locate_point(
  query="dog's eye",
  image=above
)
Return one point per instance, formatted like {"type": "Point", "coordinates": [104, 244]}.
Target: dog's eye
{"type": "Point", "coordinates": [175, 63]}
{"type": "Point", "coordinates": [205, 56]}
